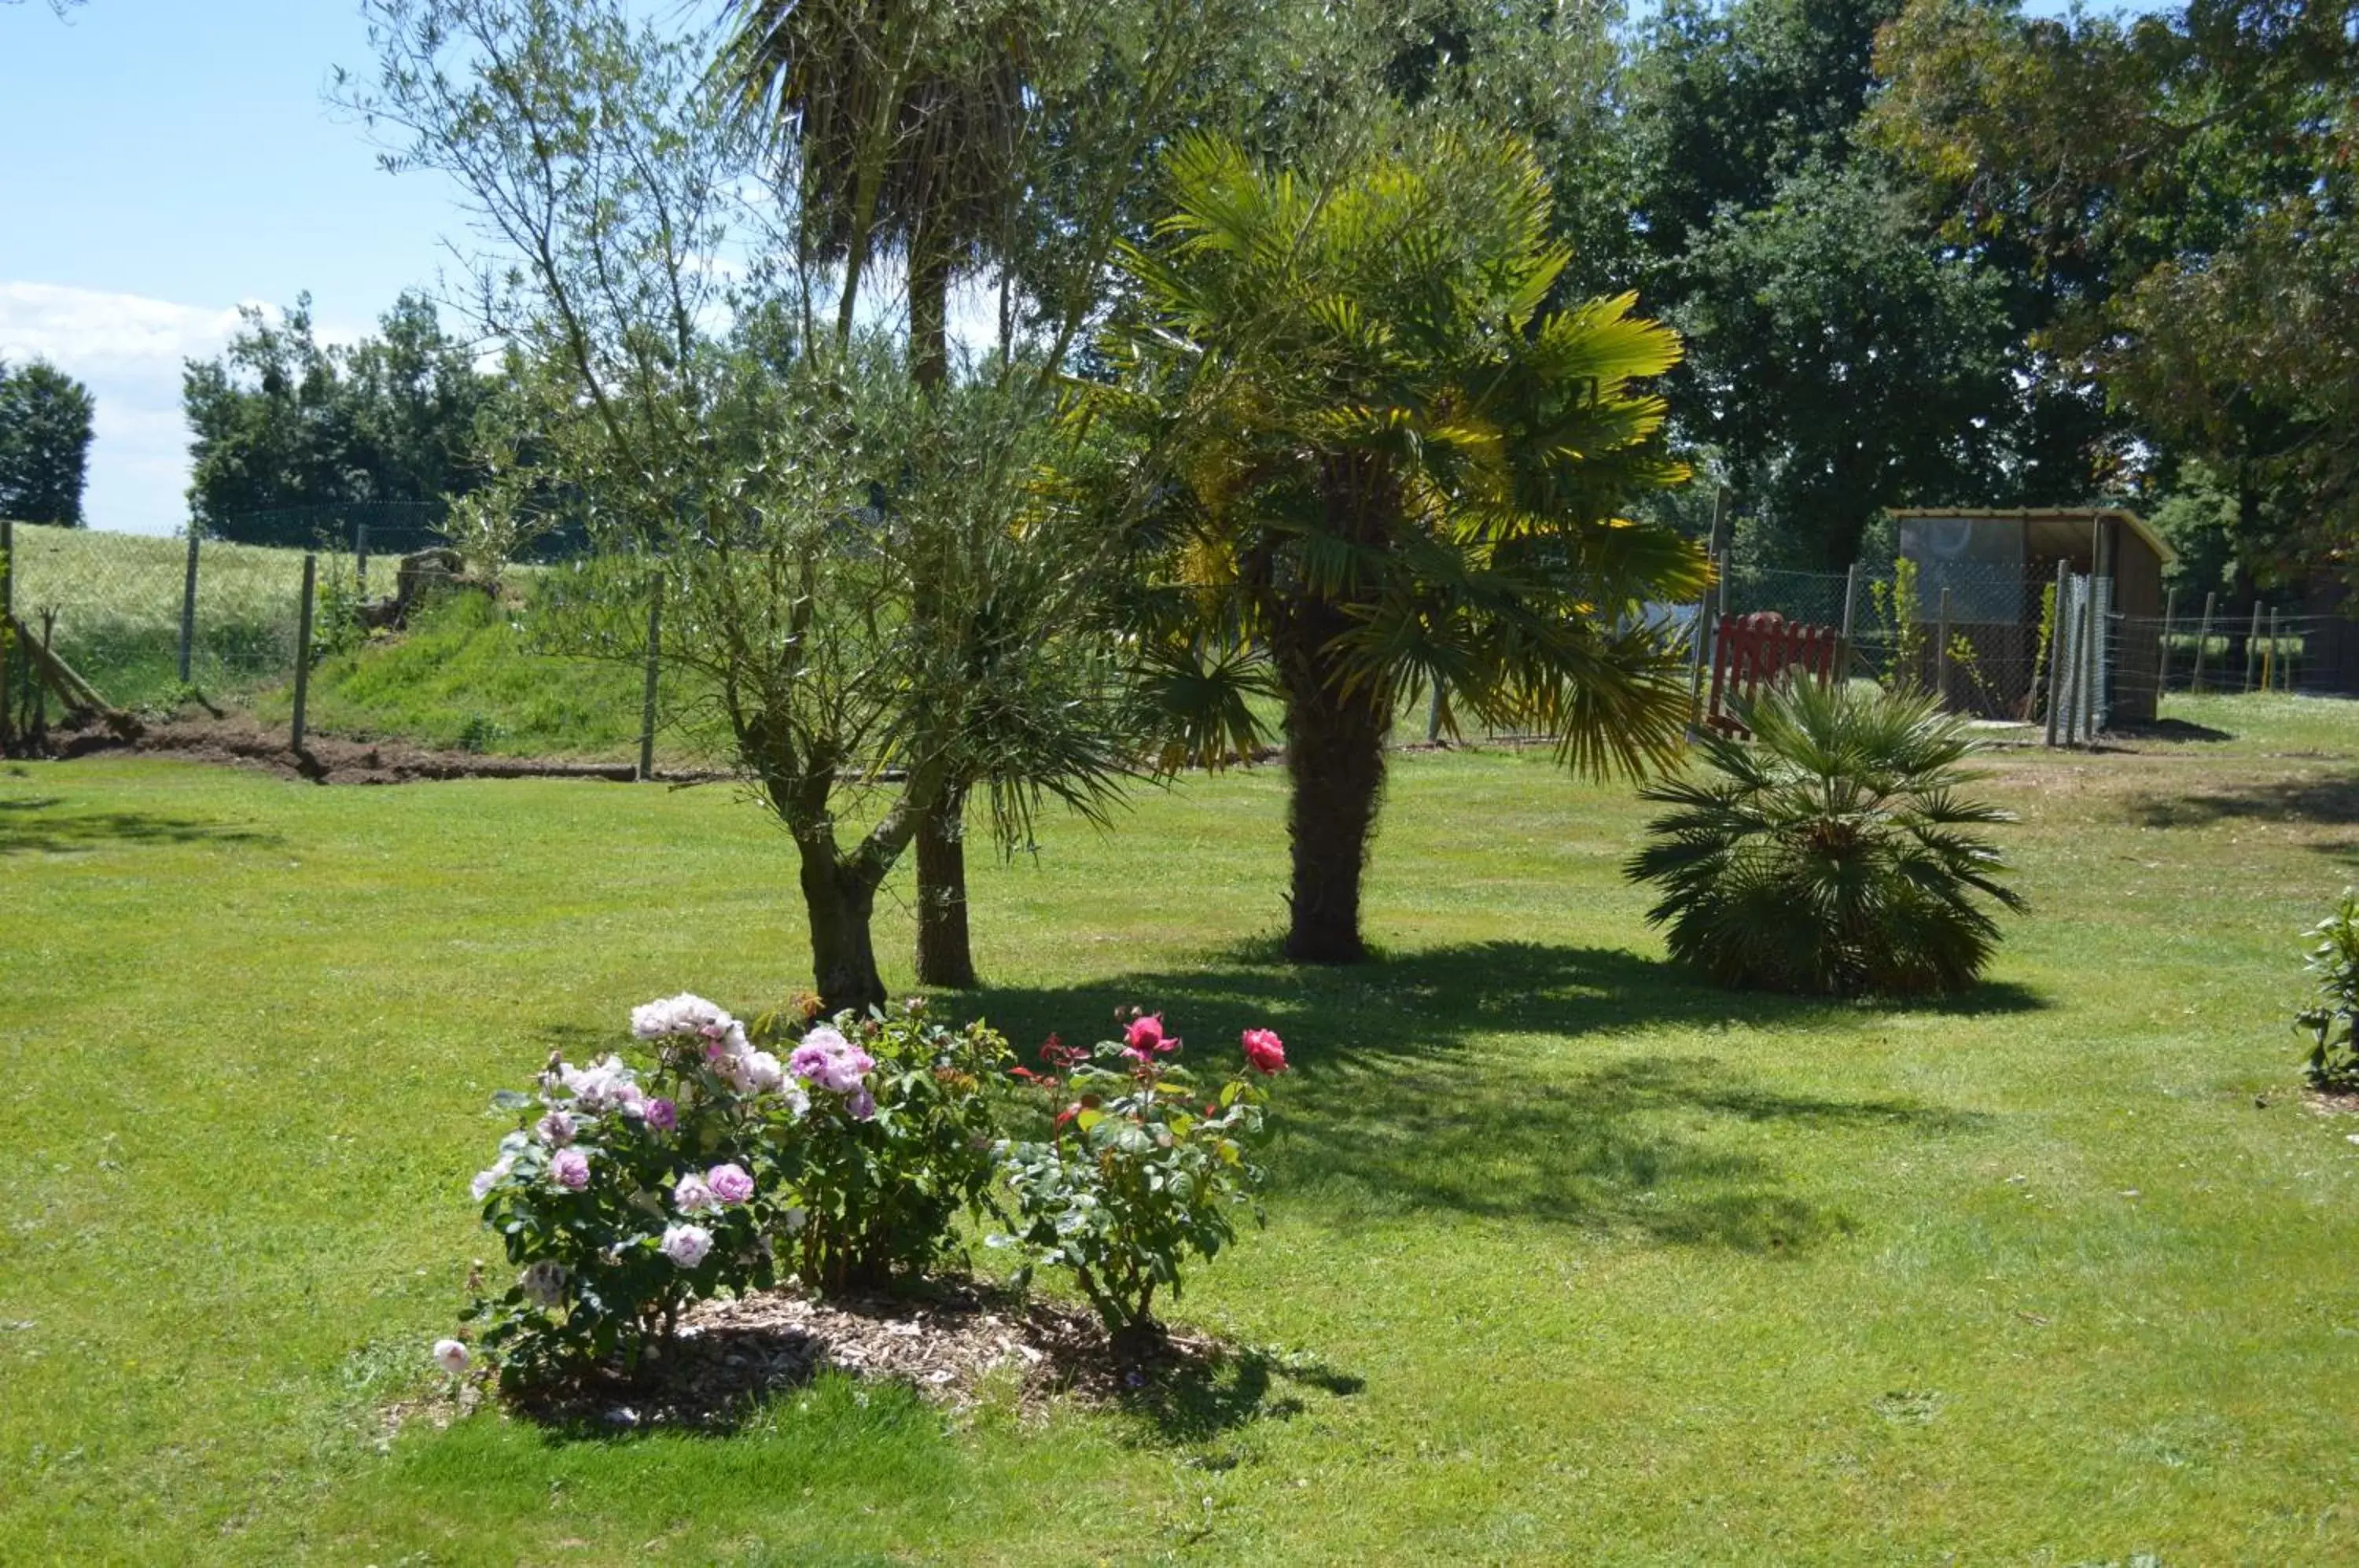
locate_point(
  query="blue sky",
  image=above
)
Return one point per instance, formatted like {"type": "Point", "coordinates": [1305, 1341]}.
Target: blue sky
{"type": "Point", "coordinates": [169, 160]}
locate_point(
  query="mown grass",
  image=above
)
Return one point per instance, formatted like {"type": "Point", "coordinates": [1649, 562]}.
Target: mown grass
{"type": "Point", "coordinates": [1577, 1260]}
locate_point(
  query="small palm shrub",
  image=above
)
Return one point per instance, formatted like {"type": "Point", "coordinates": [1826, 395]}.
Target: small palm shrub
{"type": "Point", "coordinates": [2332, 1017]}
{"type": "Point", "coordinates": [1835, 854]}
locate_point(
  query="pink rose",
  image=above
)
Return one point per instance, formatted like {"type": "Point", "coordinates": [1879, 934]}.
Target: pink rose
{"type": "Point", "coordinates": [1146, 1039]}
{"type": "Point", "coordinates": [570, 1167]}
{"type": "Point", "coordinates": [1265, 1053]}
{"type": "Point", "coordinates": [729, 1184]}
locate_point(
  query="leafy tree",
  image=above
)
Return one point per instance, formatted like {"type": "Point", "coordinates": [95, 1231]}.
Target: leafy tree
{"type": "Point", "coordinates": [2183, 185]}
{"type": "Point", "coordinates": [802, 503]}
{"type": "Point", "coordinates": [45, 435]}
{"type": "Point", "coordinates": [1841, 364]}
{"type": "Point", "coordinates": [282, 421]}
{"type": "Point", "coordinates": [970, 136]}
{"type": "Point", "coordinates": [1371, 463]}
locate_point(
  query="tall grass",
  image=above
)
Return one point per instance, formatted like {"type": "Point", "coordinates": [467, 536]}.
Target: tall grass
{"type": "Point", "coordinates": [111, 604]}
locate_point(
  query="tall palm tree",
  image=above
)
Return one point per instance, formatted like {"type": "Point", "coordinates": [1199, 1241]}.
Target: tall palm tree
{"type": "Point", "coordinates": [902, 120]}
{"type": "Point", "coordinates": [1375, 465]}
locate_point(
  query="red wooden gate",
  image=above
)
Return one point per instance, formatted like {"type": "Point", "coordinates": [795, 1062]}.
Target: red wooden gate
{"type": "Point", "coordinates": [1763, 647]}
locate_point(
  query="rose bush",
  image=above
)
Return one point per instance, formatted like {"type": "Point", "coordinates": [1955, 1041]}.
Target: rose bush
{"type": "Point", "coordinates": [625, 1195]}
{"type": "Point", "coordinates": [620, 1198]}
{"type": "Point", "coordinates": [896, 1142]}
{"type": "Point", "coordinates": [1140, 1172]}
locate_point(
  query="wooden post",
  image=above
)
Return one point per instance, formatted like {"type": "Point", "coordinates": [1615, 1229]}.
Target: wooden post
{"type": "Point", "coordinates": [2056, 640]}
{"type": "Point", "coordinates": [2252, 645]}
{"type": "Point", "coordinates": [2269, 660]}
{"type": "Point", "coordinates": [1941, 653]}
{"type": "Point", "coordinates": [2203, 640]}
{"type": "Point", "coordinates": [1850, 612]}
{"type": "Point", "coordinates": [189, 606]}
{"type": "Point", "coordinates": [360, 560]}
{"type": "Point", "coordinates": [647, 698]}
{"type": "Point", "coordinates": [303, 645]}
{"type": "Point", "coordinates": [2162, 664]}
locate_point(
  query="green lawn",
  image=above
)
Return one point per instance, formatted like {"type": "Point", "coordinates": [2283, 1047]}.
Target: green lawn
{"type": "Point", "coordinates": [1571, 1261]}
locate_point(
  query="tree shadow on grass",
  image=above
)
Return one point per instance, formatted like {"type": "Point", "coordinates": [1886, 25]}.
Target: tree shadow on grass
{"type": "Point", "coordinates": [1408, 1100]}
{"type": "Point", "coordinates": [2329, 803]}
{"type": "Point", "coordinates": [44, 825]}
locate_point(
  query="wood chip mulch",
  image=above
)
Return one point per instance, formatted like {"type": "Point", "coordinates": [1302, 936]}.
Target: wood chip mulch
{"type": "Point", "coordinates": [730, 1355]}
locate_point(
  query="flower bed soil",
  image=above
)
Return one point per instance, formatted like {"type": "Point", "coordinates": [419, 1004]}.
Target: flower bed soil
{"type": "Point", "coordinates": [729, 1355]}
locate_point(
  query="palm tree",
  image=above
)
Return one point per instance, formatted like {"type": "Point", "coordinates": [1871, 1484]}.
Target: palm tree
{"type": "Point", "coordinates": [1374, 466]}
{"type": "Point", "coordinates": [1833, 854]}
{"type": "Point", "coordinates": [902, 120]}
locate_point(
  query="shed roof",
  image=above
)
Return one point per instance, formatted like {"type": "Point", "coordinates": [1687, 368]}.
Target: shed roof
{"type": "Point", "coordinates": [2138, 524]}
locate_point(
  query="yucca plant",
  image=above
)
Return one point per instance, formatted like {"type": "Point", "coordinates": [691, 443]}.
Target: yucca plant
{"type": "Point", "coordinates": [1835, 854]}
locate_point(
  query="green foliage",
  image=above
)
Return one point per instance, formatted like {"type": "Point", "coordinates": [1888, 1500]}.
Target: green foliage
{"type": "Point", "coordinates": [45, 436]}
{"type": "Point", "coordinates": [2332, 1017]}
{"type": "Point", "coordinates": [2179, 187]}
{"type": "Point", "coordinates": [281, 422]}
{"type": "Point", "coordinates": [1139, 1175]}
{"type": "Point", "coordinates": [1834, 853]}
{"type": "Point", "coordinates": [1902, 612]}
{"type": "Point", "coordinates": [883, 1177]}
{"type": "Point", "coordinates": [1387, 460]}
{"type": "Point", "coordinates": [1840, 363]}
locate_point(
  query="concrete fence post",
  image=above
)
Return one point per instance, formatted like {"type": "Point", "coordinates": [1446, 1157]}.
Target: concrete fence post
{"type": "Point", "coordinates": [303, 645]}
{"type": "Point", "coordinates": [647, 696]}
{"type": "Point", "coordinates": [189, 606]}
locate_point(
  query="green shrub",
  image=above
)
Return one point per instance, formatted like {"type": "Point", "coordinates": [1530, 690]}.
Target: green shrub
{"type": "Point", "coordinates": [894, 1146]}
{"type": "Point", "coordinates": [1140, 1172]}
{"type": "Point", "coordinates": [1834, 854]}
{"type": "Point", "coordinates": [2332, 1017]}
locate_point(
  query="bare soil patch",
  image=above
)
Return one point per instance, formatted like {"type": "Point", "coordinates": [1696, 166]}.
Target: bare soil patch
{"type": "Point", "coordinates": [238, 742]}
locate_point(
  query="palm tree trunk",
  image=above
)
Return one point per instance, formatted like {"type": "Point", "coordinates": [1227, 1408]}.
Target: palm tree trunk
{"type": "Point", "coordinates": [944, 954]}
{"type": "Point", "coordinates": [1335, 762]}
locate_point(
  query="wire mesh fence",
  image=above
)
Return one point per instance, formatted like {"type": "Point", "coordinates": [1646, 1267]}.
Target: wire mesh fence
{"type": "Point", "coordinates": [403, 648]}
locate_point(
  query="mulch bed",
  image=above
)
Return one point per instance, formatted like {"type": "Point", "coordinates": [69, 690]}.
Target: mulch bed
{"type": "Point", "coordinates": [731, 1354]}
{"type": "Point", "coordinates": [239, 742]}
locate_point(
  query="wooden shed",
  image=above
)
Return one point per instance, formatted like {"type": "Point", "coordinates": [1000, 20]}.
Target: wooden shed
{"type": "Point", "coordinates": [1993, 565]}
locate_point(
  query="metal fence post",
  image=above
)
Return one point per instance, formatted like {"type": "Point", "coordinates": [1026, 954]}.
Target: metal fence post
{"type": "Point", "coordinates": [189, 607]}
{"type": "Point", "coordinates": [2252, 644]}
{"type": "Point", "coordinates": [1850, 614]}
{"type": "Point", "coordinates": [655, 669]}
{"type": "Point", "coordinates": [2163, 660]}
{"type": "Point", "coordinates": [303, 646]}
{"type": "Point", "coordinates": [2203, 640]}
{"type": "Point", "coordinates": [1941, 654]}
{"type": "Point", "coordinates": [2056, 640]}
{"type": "Point", "coordinates": [2091, 629]}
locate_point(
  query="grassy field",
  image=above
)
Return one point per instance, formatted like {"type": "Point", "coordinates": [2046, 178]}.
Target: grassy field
{"type": "Point", "coordinates": [1570, 1259]}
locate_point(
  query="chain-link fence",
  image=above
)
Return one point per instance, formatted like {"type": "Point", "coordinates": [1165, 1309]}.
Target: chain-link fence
{"type": "Point", "coordinates": [1997, 641]}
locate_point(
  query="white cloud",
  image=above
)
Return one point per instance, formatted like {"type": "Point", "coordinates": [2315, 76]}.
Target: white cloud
{"type": "Point", "coordinates": [128, 350]}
